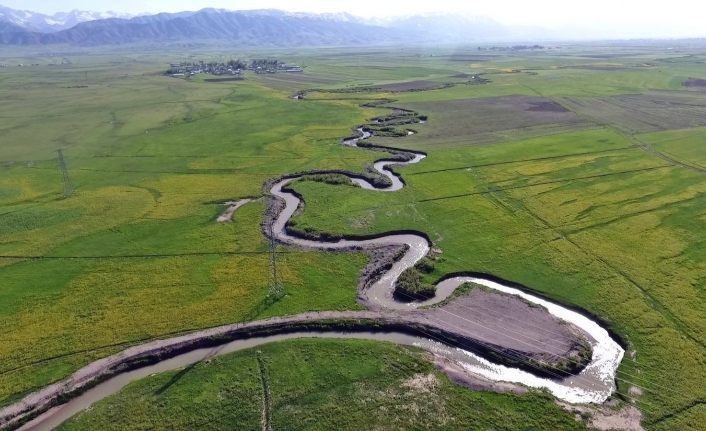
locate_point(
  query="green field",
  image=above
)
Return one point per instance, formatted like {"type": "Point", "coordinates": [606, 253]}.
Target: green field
{"type": "Point", "coordinates": [578, 172]}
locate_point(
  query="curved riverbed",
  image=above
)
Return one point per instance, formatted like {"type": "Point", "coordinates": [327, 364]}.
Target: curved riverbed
{"type": "Point", "coordinates": [474, 364]}
{"type": "Point", "coordinates": [594, 384]}
{"type": "Point", "coordinates": [56, 416]}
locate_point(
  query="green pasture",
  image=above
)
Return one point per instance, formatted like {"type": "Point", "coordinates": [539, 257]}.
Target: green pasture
{"type": "Point", "coordinates": [575, 203]}
{"type": "Point", "coordinates": [135, 253]}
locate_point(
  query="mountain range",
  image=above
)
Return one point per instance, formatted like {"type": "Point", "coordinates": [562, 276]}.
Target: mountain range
{"type": "Point", "coordinates": [38, 22]}
{"type": "Point", "coordinates": [248, 28]}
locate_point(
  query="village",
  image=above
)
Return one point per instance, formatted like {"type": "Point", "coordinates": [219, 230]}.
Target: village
{"type": "Point", "coordinates": [234, 68]}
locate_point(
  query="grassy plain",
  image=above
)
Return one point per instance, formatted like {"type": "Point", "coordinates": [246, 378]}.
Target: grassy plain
{"type": "Point", "coordinates": [134, 252]}
{"type": "Point", "coordinates": [567, 203]}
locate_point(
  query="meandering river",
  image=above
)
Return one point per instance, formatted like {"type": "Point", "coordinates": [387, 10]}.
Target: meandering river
{"type": "Point", "coordinates": [594, 384]}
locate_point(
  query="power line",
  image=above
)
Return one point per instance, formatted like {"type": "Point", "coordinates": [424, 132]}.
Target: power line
{"type": "Point", "coordinates": [276, 290]}
{"type": "Point", "coordinates": [68, 186]}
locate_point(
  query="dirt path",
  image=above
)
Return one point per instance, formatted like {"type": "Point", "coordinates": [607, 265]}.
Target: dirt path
{"type": "Point", "coordinates": [232, 207]}
{"type": "Point", "coordinates": [652, 150]}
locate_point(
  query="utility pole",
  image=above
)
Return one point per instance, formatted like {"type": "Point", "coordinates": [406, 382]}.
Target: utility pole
{"type": "Point", "coordinates": [68, 187]}
{"type": "Point", "coordinates": [276, 291]}
{"type": "Point", "coordinates": [273, 258]}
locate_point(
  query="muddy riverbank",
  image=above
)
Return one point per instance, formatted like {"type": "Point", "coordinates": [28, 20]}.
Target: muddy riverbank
{"type": "Point", "coordinates": [430, 324]}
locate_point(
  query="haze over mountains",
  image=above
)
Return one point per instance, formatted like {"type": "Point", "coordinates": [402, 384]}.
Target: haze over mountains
{"type": "Point", "coordinates": [250, 28]}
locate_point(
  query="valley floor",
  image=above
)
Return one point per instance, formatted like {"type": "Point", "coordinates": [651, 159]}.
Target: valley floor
{"type": "Point", "coordinates": [584, 184]}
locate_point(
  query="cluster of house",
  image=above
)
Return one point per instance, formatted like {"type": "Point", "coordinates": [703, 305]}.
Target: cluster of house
{"type": "Point", "coordinates": [232, 67]}
{"type": "Point", "coordinates": [273, 66]}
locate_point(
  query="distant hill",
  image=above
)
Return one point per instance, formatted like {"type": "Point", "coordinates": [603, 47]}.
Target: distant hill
{"type": "Point", "coordinates": [453, 28]}
{"type": "Point", "coordinates": [258, 28]}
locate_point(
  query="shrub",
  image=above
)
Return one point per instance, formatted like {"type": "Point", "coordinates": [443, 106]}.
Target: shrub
{"type": "Point", "coordinates": [410, 286]}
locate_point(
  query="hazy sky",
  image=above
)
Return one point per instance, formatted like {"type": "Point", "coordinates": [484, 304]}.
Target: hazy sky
{"type": "Point", "coordinates": [646, 17]}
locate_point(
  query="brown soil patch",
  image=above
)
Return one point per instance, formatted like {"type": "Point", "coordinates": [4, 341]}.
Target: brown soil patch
{"type": "Point", "coordinates": [423, 383]}
{"type": "Point", "coordinates": [482, 121]}
{"type": "Point", "coordinates": [650, 112]}
{"type": "Point", "coordinates": [695, 82]}
{"type": "Point", "coordinates": [605, 418]}
{"type": "Point", "coordinates": [546, 106]}
{"type": "Point", "coordinates": [411, 86]}
{"type": "Point", "coordinates": [506, 320]}
{"type": "Point", "coordinates": [223, 79]}
{"type": "Point", "coordinates": [600, 67]}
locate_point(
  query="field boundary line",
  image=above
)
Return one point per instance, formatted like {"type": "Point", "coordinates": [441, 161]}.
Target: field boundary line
{"type": "Point", "coordinates": [678, 324]}
{"type": "Point", "coordinates": [508, 162]}
{"type": "Point", "coordinates": [543, 183]}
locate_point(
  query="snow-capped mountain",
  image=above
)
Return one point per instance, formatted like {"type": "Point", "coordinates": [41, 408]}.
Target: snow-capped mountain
{"type": "Point", "coordinates": [245, 28]}
{"type": "Point", "coordinates": [42, 23]}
